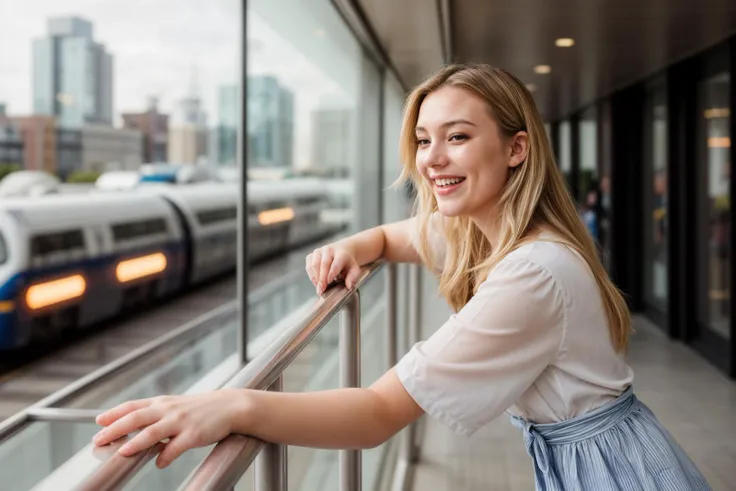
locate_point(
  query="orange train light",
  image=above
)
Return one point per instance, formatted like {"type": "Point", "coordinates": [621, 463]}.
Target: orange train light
{"type": "Point", "coordinates": [140, 267]}
{"type": "Point", "coordinates": [55, 291]}
{"type": "Point", "coordinates": [277, 215]}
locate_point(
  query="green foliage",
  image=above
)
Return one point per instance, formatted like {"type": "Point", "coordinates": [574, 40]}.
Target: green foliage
{"type": "Point", "coordinates": [83, 176]}
{"type": "Point", "coordinates": [6, 169]}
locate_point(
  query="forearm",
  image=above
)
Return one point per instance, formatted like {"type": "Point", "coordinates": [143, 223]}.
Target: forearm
{"type": "Point", "coordinates": [340, 418]}
{"type": "Point", "coordinates": [366, 246]}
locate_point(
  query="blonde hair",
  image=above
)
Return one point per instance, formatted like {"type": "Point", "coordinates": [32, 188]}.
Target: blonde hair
{"type": "Point", "coordinates": [535, 195]}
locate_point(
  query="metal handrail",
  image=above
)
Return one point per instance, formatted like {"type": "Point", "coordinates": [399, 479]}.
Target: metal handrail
{"type": "Point", "coordinates": [229, 460]}
{"type": "Point", "coordinates": [212, 320]}
{"type": "Point", "coordinates": [191, 330]}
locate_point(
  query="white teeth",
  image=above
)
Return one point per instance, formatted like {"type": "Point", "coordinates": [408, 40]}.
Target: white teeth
{"type": "Point", "coordinates": [447, 182]}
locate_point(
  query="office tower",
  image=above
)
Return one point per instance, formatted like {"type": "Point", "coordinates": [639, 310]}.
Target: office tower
{"type": "Point", "coordinates": [270, 123]}
{"type": "Point", "coordinates": [72, 74]}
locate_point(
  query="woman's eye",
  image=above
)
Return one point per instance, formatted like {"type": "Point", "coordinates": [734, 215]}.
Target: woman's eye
{"type": "Point", "coordinates": [422, 141]}
{"type": "Point", "coordinates": [458, 137]}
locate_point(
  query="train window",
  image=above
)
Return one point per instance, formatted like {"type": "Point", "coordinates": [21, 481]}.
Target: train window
{"type": "Point", "coordinates": [3, 250]}
{"type": "Point", "coordinates": [132, 230]}
{"type": "Point", "coordinates": [42, 245]}
{"type": "Point", "coordinates": [308, 201]}
{"type": "Point", "coordinates": [217, 215]}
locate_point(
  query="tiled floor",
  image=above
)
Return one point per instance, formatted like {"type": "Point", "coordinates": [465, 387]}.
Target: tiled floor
{"type": "Point", "coordinates": [691, 398]}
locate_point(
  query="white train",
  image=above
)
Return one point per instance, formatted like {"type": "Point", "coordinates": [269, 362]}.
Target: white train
{"type": "Point", "coordinates": [69, 261]}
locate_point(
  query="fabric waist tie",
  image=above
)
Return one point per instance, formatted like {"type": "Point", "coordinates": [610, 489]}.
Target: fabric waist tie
{"type": "Point", "coordinates": [537, 437]}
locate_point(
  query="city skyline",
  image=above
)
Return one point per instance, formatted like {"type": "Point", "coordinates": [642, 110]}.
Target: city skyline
{"type": "Point", "coordinates": [157, 47]}
{"type": "Point", "coordinates": [151, 57]}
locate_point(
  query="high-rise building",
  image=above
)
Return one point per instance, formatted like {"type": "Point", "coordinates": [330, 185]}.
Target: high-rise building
{"type": "Point", "coordinates": [11, 141]}
{"type": "Point", "coordinates": [270, 123]}
{"type": "Point", "coordinates": [331, 138]}
{"type": "Point", "coordinates": [155, 129]}
{"type": "Point", "coordinates": [226, 143]}
{"type": "Point", "coordinates": [72, 74]}
{"type": "Point", "coordinates": [188, 132]}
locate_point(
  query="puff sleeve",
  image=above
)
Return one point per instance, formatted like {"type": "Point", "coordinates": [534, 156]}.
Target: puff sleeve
{"type": "Point", "coordinates": [487, 355]}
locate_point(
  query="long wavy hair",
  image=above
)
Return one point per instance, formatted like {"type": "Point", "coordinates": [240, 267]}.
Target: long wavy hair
{"type": "Point", "coordinates": [534, 196]}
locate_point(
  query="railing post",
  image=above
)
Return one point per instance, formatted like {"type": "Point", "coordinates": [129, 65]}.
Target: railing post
{"type": "Point", "coordinates": [413, 337]}
{"type": "Point", "coordinates": [350, 460]}
{"type": "Point", "coordinates": [271, 465]}
{"type": "Point", "coordinates": [391, 303]}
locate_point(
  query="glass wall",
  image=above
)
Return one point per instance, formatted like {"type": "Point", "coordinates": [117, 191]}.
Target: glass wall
{"type": "Point", "coordinates": [588, 183]}
{"type": "Point", "coordinates": [656, 214]}
{"type": "Point", "coordinates": [565, 157]}
{"type": "Point", "coordinates": [713, 264]}
{"type": "Point", "coordinates": [606, 144]}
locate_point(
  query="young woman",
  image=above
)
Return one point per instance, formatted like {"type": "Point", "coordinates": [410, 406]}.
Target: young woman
{"type": "Point", "coordinates": [540, 330]}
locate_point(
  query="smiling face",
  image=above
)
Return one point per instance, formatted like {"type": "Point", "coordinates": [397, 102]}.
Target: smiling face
{"type": "Point", "coordinates": [462, 153]}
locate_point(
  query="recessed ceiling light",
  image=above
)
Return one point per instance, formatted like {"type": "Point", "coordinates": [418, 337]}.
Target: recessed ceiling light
{"type": "Point", "coordinates": [544, 69]}
{"type": "Point", "coordinates": [531, 87]}
{"type": "Point", "coordinates": [565, 42]}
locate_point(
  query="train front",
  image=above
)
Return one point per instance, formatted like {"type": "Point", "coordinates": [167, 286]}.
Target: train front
{"type": "Point", "coordinates": [10, 283]}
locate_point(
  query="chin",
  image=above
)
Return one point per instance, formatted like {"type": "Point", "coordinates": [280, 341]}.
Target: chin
{"type": "Point", "coordinates": [449, 211]}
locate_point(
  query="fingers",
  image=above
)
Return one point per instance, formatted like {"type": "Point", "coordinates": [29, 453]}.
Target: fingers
{"type": "Point", "coordinates": [324, 269]}
{"type": "Point", "coordinates": [126, 425]}
{"type": "Point", "coordinates": [352, 276]}
{"type": "Point", "coordinates": [314, 261]}
{"type": "Point", "coordinates": [176, 446]}
{"type": "Point", "coordinates": [148, 438]}
{"type": "Point", "coordinates": [121, 410]}
{"type": "Point", "coordinates": [326, 263]}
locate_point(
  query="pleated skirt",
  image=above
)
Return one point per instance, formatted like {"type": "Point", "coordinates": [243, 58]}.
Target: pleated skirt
{"type": "Point", "coordinates": [620, 446]}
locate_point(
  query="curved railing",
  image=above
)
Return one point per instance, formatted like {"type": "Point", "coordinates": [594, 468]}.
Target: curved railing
{"type": "Point", "coordinates": [105, 469]}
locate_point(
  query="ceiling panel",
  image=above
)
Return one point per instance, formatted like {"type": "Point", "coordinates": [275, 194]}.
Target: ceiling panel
{"type": "Point", "coordinates": [409, 31]}
{"type": "Point", "coordinates": [617, 42]}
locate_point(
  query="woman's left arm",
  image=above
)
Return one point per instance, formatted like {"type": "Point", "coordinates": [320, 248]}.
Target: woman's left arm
{"type": "Point", "coordinates": [340, 418]}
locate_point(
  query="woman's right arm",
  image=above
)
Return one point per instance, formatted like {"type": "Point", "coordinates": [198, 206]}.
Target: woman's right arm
{"type": "Point", "coordinates": [391, 242]}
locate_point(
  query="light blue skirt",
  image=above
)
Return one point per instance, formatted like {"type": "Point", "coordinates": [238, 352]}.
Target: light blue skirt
{"type": "Point", "coordinates": [618, 447]}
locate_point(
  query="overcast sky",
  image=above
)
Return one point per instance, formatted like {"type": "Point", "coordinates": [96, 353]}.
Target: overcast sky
{"type": "Point", "coordinates": [160, 47]}
{"type": "Point", "coordinates": [155, 45]}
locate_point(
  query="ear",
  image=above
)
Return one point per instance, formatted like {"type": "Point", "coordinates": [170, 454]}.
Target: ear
{"type": "Point", "coordinates": [519, 148]}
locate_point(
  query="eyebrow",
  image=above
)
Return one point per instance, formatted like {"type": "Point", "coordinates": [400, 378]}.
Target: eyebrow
{"type": "Point", "coordinates": [447, 124]}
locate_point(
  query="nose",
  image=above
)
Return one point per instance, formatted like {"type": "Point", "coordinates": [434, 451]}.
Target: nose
{"type": "Point", "coordinates": [436, 156]}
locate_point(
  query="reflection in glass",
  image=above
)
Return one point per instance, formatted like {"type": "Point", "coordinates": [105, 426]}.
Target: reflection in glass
{"type": "Point", "coordinates": [605, 182]}
{"type": "Point", "coordinates": [656, 200]}
{"type": "Point", "coordinates": [40, 449]}
{"type": "Point", "coordinates": [714, 207]}
{"type": "Point", "coordinates": [588, 186]}
{"type": "Point", "coordinates": [565, 157]}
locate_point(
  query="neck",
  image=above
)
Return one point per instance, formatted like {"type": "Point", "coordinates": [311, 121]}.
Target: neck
{"type": "Point", "coordinates": [487, 222]}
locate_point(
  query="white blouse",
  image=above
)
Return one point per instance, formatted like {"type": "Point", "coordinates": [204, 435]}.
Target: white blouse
{"type": "Point", "coordinates": [533, 341]}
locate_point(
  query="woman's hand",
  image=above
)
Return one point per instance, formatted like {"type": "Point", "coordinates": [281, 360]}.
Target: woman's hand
{"type": "Point", "coordinates": [189, 421]}
{"type": "Point", "coordinates": [326, 263]}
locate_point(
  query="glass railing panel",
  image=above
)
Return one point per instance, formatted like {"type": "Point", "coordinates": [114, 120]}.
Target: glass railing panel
{"type": "Point", "coordinates": [40, 449]}
{"type": "Point", "coordinates": [151, 478]}
{"type": "Point", "coordinates": [267, 307]}
{"type": "Point", "coordinates": [374, 360]}
{"type": "Point", "coordinates": [171, 370]}
{"type": "Point", "coordinates": [247, 482]}
{"type": "Point", "coordinates": [315, 368]}
{"type": "Point", "coordinates": [175, 368]}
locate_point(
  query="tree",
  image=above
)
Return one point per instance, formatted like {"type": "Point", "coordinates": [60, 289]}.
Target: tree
{"type": "Point", "coordinates": [6, 169]}
{"type": "Point", "coordinates": [83, 176]}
